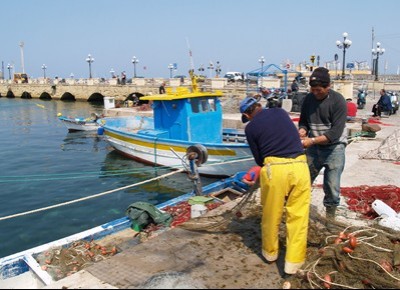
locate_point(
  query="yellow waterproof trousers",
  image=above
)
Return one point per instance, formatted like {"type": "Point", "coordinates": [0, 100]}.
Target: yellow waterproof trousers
{"type": "Point", "coordinates": [285, 182]}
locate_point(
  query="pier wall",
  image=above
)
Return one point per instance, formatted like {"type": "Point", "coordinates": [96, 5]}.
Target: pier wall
{"type": "Point", "coordinates": [92, 90]}
{"type": "Point", "coordinates": [76, 92]}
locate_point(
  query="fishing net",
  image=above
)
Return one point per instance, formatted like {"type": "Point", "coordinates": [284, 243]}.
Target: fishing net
{"type": "Point", "coordinates": [353, 257]}
{"type": "Point", "coordinates": [388, 150]}
{"type": "Point", "coordinates": [339, 254]}
{"type": "Point", "coordinates": [60, 262]}
{"type": "Point", "coordinates": [218, 220]}
{"type": "Point", "coordinates": [360, 198]}
{"type": "Point", "coordinates": [342, 255]}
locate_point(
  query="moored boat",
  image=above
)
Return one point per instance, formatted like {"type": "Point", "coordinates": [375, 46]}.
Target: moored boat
{"type": "Point", "coordinates": [80, 123]}
{"type": "Point", "coordinates": [181, 118]}
{"type": "Point", "coordinates": [27, 262]}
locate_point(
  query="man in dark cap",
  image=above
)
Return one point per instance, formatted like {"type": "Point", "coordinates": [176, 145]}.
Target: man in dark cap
{"type": "Point", "coordinates": [284, 180]}
{"type": "Point", "coordinates": [322, 127]}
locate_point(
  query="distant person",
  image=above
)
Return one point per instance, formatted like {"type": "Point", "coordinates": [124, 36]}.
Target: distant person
{"type": "Point", "coordinates": [161, 89]}
{"type": "Point", "coordinates": [295, 86]}
{"type": "Point", "coordinates": [284, 180]}
{"type": "Point", "coordinates": [384, 104]}
{"type": "Point", "coordinates": [123, 78]}
{"type": "Point", "coordinates": [351, 109]}
{"type": "Point", "coordinates": [322, 127]}
{"type": "Point", "coordinates": [299, 77]}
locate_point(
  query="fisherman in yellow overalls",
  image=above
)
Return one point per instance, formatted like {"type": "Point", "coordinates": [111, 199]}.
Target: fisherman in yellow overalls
{"type": "Point", "coordinates": [284, 179]}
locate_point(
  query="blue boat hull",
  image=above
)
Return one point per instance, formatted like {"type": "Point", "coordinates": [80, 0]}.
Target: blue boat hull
{"type": "Point", "coordinates": [20, 263]}
{"type": "Point", "coordinates": [136, 138]}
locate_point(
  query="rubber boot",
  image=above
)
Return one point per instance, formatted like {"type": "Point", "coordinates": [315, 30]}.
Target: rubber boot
{"type": "Point", "coordinates": [330, 217]}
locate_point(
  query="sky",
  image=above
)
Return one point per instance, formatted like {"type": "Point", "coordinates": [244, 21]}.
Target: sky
{"type": "Point", "coordinates": [61, 34]}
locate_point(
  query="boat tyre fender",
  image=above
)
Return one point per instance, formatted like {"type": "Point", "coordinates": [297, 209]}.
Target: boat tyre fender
{"type": "Point", "coordinates": [198, 152]}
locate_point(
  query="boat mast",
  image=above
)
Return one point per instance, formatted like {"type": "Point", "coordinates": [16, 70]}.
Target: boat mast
{"type": "Point", "coordinates": [191, 71]}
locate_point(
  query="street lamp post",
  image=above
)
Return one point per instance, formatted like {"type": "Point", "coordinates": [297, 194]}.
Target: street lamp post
{"type": "Point", "coordinates": [170, 67]}
{"type": "Point", "coordinates": [90, 59]}
{"type": "Point", "coordinates": [218, 69]}
{"type": "Point", "coordinates": [10, 67]}
{"type": "Point", "coordinates": [344, 45]}
{"type": "Point", "coordinates": [312, 59]}
{"type": "Point", "coordinates": [377, 52]}
{"type": "Point", "coordinates": [201, 69]}
{"type": "Point", "coordinates": [134, 61]}
{"type": "Point", "coordinates": [211, 68]}
{"type": "Point", "coordinates": [44, 67]}
{"type": "Point", "coordinates": [336, 60]}
{"type": "Point", "coordinates": [262, 61]}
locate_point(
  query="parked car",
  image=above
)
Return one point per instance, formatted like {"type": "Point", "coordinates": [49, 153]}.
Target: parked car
{"type": "Point", "coordinates": [180, 77]}
{"type": "Point", "coordinates": [254, 77]}
{"type": "Point", "coordinates": [233, 76]}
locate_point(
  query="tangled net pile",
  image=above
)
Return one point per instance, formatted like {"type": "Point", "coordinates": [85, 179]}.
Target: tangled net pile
{"type": "Point", "coordinates": [348, 256]}
{"type": "Point", "coordinates": [343, 256]}
{"type": "Point", "coordinates": [388, 150]}
{"type": "Point", "coordinates": [220, 220]}
{"type": "Point", "coordinates": [60, 262]}
{"type": "Point", "coordinates": [360, 198]}
{"type": "Point", "coordinates": [355, 257]}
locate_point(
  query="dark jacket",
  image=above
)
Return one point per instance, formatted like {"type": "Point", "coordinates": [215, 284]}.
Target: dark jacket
{"type": "Point", "coordinates": [327, 117]}
{"type": "Point", "coordinates": [272, 133]}
{"type": "Point", "coordinates": [385, 103]}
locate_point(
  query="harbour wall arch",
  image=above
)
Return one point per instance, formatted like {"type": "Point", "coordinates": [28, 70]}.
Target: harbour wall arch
{"type": "Point", "coordinates": [45, 96]}
{"type": "Point", "coordinates": [96, 97]}
{"type": "Point", "coordinates": [94, 93]}
{"type": "Point", "coordinates": [10, 94]}
{"type": "Point", "coordinates": [67, 96]}
{"type": "Point", "coordinates": [26, 95]}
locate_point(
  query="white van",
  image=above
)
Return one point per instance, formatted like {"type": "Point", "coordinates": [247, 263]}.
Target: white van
{"type": "Point", "coordinates": [233, 76]}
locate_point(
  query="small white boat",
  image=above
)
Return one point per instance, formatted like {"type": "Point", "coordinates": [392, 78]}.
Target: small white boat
{"type": "Point", "coordinates": [181, 118]}
{"type": "Point", "coordinates": [79, 123]}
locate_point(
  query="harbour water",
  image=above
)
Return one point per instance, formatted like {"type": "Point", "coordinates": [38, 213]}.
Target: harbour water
{"type": "Point", "coordinates": [43, 165]}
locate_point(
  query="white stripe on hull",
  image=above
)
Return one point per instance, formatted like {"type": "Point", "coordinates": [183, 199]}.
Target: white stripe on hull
{"type": "Point", "coordinates": [168, 158]}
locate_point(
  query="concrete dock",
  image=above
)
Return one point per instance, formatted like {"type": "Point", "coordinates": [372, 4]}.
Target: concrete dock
{"type": "Point", "coordinates": [230, 258]}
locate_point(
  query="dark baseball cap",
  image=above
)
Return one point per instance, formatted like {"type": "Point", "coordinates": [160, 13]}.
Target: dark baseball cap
{"type": "Point", "coordinates": [244, 105]}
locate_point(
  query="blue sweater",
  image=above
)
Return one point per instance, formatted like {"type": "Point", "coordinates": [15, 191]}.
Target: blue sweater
{"type": "Point", "coordinates": [272, 133]}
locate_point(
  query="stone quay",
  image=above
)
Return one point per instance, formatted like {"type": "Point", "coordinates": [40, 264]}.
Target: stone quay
{"type": "Point", "coordinates": [97, 89]}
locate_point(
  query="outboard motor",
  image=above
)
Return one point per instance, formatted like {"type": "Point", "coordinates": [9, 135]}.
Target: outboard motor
{"type": "Point", "coordinates": [361, 99]}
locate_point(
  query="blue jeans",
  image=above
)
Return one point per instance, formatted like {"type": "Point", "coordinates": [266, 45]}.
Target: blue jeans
{"type": "Point", "coordinates": [332, 158]}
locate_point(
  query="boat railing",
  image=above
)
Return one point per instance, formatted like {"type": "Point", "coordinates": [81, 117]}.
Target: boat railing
{"type": "Point", "coordinates": [177, 91]}
{"type": "Point", "coordinates": [234, 137]}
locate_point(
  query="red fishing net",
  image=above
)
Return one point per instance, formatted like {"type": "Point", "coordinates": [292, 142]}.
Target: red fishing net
{"type": "Point", "coordinates": [360, 198]}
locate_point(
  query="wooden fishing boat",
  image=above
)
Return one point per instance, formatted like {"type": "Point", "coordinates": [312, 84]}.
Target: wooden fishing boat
{"type": "Point", "coordinates": [181, 118]}
{"type": "Point", "coordinates": [80, 123]}
{"type": "Point", "coordinates": [25, 265]}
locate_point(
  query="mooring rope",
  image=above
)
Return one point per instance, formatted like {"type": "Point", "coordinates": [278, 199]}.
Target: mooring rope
{"type": "Point", "coordinates": [89, 197]}
{"type": "Point", "coordinates": [95, 174]}
{"type": "Point", "coordinates": [111, 191]}
{"type": "Point", "coordinates": [78, 175]}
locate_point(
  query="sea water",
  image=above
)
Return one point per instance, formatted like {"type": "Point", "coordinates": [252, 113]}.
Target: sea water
{"type": "Point", "coordinates": [42, 165]}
